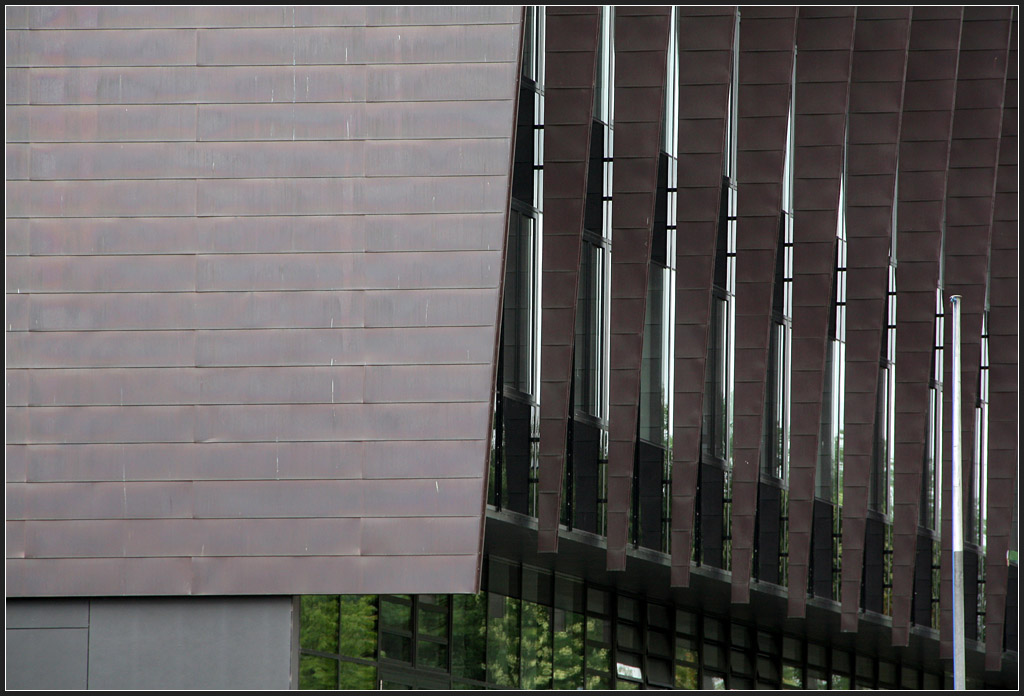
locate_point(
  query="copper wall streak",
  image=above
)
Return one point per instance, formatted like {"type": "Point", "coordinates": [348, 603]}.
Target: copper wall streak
{"type": "Point", "coordinates": [641, 43]}
{"type": "Point", "coordinates": [232, 307]}
{"type": "Point", "coordinates": [1004, 400]}
{"type": "Point", "coordinates": [571, 63]}
{"type": "Point", "coordinates": [876, 103]}
{"type": "Point", "coordinates": [706, 39]}
{"type": "Point", "coordinates": [929, 92]}
{"type": "Point", "coordinates": [767, 42]}
{"type": "Point", "coordinates": [825, 39]}
{"type": "Point", "coordinates": [974, 151]}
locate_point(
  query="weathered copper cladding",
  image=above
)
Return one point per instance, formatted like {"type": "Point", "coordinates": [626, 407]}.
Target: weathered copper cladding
{"type": "Point", "coordinates": [254, 263]}
{"type": "Point", "coordinates": [929, 92]}
{"type": "Point", "coordinates": [970, 191]}
{"type": "Point", "coordinates": [825, 37]}
{"type": "Point", "coordinates": [571, 64]}
{"type": "Point", "coordinates": [1003, 371]}
{"type": "Point", "coordinates": [767, 48]}
{"type": "Point", "coordinates": [706, 39]}
{"type": "Point", "coordinates": [641, 45]}
{"type": "Point", "coordinates": [876, 103]}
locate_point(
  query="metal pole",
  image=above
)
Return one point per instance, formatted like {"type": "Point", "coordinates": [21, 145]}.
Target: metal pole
{"type": "Point", "coordinates": [959, 667]}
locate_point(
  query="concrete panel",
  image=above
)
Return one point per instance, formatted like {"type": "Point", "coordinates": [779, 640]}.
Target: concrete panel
{"type": "Point", "coordinates": [41, 658]}
{"type": "Point", "coordinates": [196, 643]}
{"type": "Point", "coordinates": [71, 613]}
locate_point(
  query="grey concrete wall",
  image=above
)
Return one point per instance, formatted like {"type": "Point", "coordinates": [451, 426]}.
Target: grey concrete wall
{"type": "Point", "coordinates": [151, 643]}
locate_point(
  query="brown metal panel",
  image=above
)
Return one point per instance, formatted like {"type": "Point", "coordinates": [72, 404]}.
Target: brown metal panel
{"type": "Point", "coordinates": [571, 47]}
{"type": "Point", "coordinates": [463, 157]}
{"type": "Point", "coordinates": [820, 128]}
{"type": "Point", "coordinates": [431, 536]}
{"type": "Point", "coordinates": [100, 349]}
{"type": "Point", "coordinates": [68, 124]}
{"type": "Point", "coordinates": [924, 147]}
{"type": "Point", "coordinates": [1003, 370]}
{"type": "Point", "coordinates": [97, 161]}
{"type": "Point", "coordinates": [767, 48]}
{"type": "Point", "coordinates": [306, 422]}
{"type": "Point", "coordinates": [170, 386]}
{"type": "Point", "coordinates": [980, 89]}
{"type": "Point", "coordinates": [385, 83]}
{"type": "Point", "coordinates": [49, 274]}
{"type": "Point", "coordinates": [879, 67]}
{"type": "Point", "coordinates": [641, 39]}
{"type": "Point", "coordinates": [103, 47]}
{"type": "Point", "coordinates": [709, 39]}
{"type": "Point", "coordinates": [100, 198]}
{"type": "Point", "coordinates": [107, 275]}
{"type": "Point", "coordinates": [366, 574]}
{"type": "Point", "coordinates": [458, 14]}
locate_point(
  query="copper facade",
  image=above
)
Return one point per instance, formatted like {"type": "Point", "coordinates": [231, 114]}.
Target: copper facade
{"type": "Point", "coordinates": [255, 267]}
{"type": "Point", "coordinates": [250, 250]}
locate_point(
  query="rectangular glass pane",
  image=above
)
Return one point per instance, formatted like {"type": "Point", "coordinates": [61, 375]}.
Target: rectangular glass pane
{"type": "Point", "coordinates": [396, 614]}
{"type": "Point", "coordinates": [353, 676]}
{"type": "Point", "coordinates": [431, 655]}
{"type": "Point", "coordinates": [535, 651]}
{"type": "Point", "coordinates": [359, 626]}
{"type": "Point", "coordinates": [502, 640]}
{"type": "Point", "coordinates": [568, 650]}
{"type": "Point", "coordinates": [318, 625]}
{"type": "Point", "coordinates": [686, 677]}
{"type": "Point", "coordinates": [317, 672]}
{"type": "Point", "coordinates": [469, 636]}
{"type": "Point", "coordinates": [395, 647]}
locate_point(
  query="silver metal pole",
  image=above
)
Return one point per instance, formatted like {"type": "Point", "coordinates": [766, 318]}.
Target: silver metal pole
{"type": "Point", "coordinates": [959, 666]}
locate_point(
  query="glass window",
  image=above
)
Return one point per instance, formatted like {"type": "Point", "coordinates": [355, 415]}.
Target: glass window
{"type": "Point", "coordinates": [654, 365]}
{"type": "Point", "coordinates": [317, 672]}
{"type": "Point", "coordinates": [318, 628]}
{"type": "Point", "coordinates": [503, 640]}
{"type": "Point", "coordinates": [519, 302]}
{"type": "Point", "coordinates": [535, 647]}
{"type": "Point", "coordinates": [568, 650]}
{"type": "Point", "coordinates": [590, 326]}
{"type": "Point", "coordinates": [469, 636]}
{"type": "Point", "coordinates": [714, 436]}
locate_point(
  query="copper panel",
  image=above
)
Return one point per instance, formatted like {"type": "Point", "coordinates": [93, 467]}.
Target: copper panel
{"type": "Point", "coordinates": [429, 16]}
{"type": "Point", "coordinates": [768, 42]}
{"type": "Point", "coordinates": [820, 127]}
{"type": "Point", "coordinates": [571, 68]}
{"type": "Point", "coordinates": [97, 161]}
{"type": "Point", "coordinates": [116, 48]}
{"type": "Point", "coordinates": [145, 122]}
{"type": "Point", "coordinates": [1003, 398]}
{"type": "Point", "coordinates": [100, 198]}
{"type": "Point", "coordinates": [386, 83]}
{"type": "Point", "coordinates": [641, 34]}
{"type": "Point", "coordinates": [869, 191]}
{"type": "Point", "coordinates": [979, 89]}
{"type": "Point", "coordinates": [50, 274]}
{"type": "Point", "coordinates": [110, 250]}
{"type": "Point", "coordinates": [705, 49]}
{"type": "Point", "coordinates": [204, 85]}
{"type": "Point", "coordinates": [430, 536]}
{"type": "Point", "coordinates": [365, 574]}
{"type": "Point", "coordinates": [925, 139]}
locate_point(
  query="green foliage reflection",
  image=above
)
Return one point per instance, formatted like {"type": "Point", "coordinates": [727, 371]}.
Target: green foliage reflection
{"type": "Point", "coordinates": [318, 628]}
{"type": "Point", "coordinates": [502, 640]}
{"type": "Point", "coordinates": [469, 636]}
{"type": "Point", "coordinates": [358, 624]}
{"type": "Point", "coordinates": [317, 672]}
